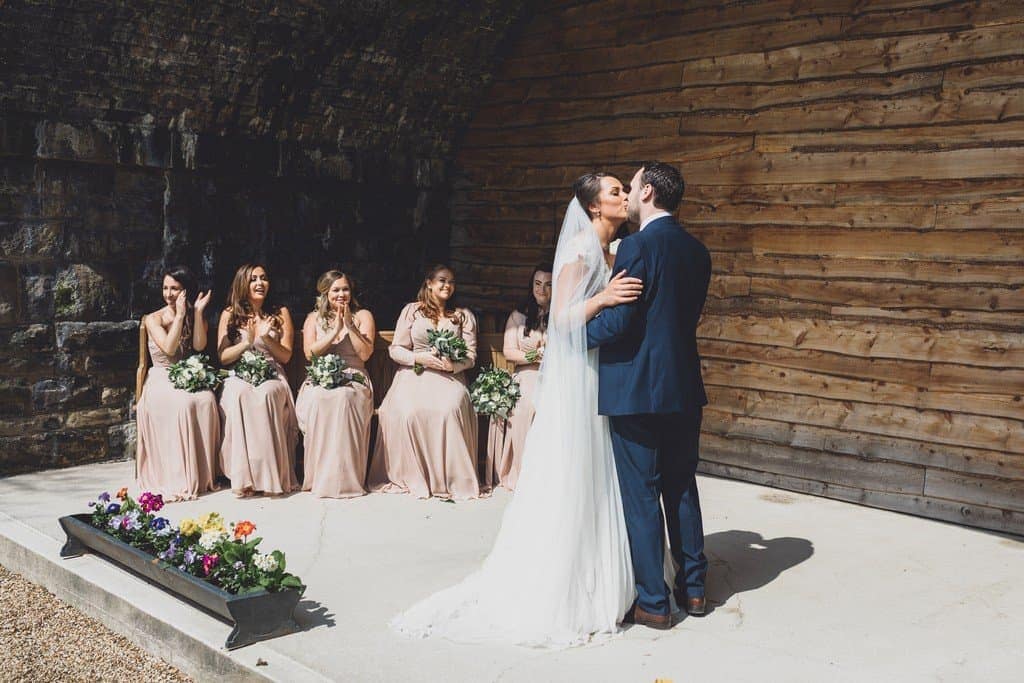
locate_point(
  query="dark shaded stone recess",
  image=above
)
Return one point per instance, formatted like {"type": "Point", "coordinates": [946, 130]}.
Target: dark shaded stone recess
{"type": "Point", "coordinates": [138, 134]}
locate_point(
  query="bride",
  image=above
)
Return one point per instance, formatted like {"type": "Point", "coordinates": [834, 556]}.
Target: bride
{"type": "Point", "coordinates": [559, 573]}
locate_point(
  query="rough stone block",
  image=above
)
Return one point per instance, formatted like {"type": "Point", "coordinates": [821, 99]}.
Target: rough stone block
{"type": "Point", "coordinates": [32, 339]}
{"type": "Point", "coordinates": [102, 367]}
{"type": "Point", "coordinates": [105, 336]}
{"type": "Point", "coordinates": [26, 453]}
{"type": "Point", "coordinates": [55, 140]}
{"type": "Point", "coordinates": [30, 240]}
{"type": "Point", "coordinates": [99, 417]}
{"type": "Point", "coordinates": [17, 135]}
{"type": "Point", "coordinates": [64, 393]}
{"type": "Point", "coordinates": [30, 425]}
{"type": "Point", "coordinates": [115, 396]}
{"type": "Point", "coordinates": [15, 397]}
{"type": "Point", "coordinates": [82, 293]}
{"type": "Point", "coordinates": [9, 295]}
{"type": "Point", "coordinates": [79, 446]}
{"type": "Point", "coordinates": [122, 440]}
{"type": "Point", "coordinates": [38, 297]}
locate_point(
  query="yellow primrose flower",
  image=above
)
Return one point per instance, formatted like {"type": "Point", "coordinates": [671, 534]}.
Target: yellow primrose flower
{"type": "Point", "coordinates": [212, 521]}
{"type": "Point", "coordinates": [189, 527]}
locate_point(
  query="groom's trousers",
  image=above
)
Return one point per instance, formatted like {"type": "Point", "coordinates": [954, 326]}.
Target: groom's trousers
{"type": "Point", "coordinates": [656, 458]}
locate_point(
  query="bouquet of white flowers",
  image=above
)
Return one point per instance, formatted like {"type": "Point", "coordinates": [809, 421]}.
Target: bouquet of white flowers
{"type": "Point", "coordinates": [254, 368]}
{"type": "Point", "coordinates": [445, 344]}
{"type": "Point", "coordinates": [195, 374]}
{"type": "Point", "coordinates": [495, 393]}
{"type": "Point", "coordinates": [332, 371]}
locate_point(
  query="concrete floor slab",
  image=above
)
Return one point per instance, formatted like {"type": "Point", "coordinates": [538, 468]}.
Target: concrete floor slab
{"type": "Point", "coordinates": [805, 588]}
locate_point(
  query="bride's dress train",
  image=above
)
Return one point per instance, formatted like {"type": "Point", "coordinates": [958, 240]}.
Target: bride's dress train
{"type": "Point", "coordinates": [559, 573]}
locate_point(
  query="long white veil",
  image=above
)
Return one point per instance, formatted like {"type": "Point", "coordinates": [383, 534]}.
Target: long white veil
{"type": "Point", "coordinates": [559, 572]}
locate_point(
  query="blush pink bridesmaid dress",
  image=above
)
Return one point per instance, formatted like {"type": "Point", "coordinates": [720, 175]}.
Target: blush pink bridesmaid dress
{"type": "Point", "coordinates": [506, 439]}
{"type": "Point", "coordinates": [179, 435]}
{"type": "Point", "coordinates": [427, 436]}
{"type": "Point", "coordinates": [260, 431]}
{"type": "Point", "coordinates": [336, 429]}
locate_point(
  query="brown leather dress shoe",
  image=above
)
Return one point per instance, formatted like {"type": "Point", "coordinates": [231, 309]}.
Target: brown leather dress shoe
{"type": "Point", "coordinates": [637, 615]}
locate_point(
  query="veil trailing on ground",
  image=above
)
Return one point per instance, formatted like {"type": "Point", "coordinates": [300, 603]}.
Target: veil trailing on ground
{"type": "Point", "coordinates": [559, 572]}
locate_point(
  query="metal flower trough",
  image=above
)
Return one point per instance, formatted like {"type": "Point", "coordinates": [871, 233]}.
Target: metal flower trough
{"type": "Point", "coordinates": [256, 616]}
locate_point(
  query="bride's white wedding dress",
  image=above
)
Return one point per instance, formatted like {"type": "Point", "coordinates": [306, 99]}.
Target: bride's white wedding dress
{"type": "Point", "coordinates": [560, 572]}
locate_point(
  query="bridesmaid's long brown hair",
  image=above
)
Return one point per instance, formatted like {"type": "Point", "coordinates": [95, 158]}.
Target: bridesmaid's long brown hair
{"type": "Point", "coordinates": [184, 277]}
{"type": "Point", "coordinates": [238, 301]}
{"type": "Point", "coordinates": [323, 308]}
{"type": "Point", "coordinates": [535, 320]}
{"type": "Point", "coordinates": [430, 307]}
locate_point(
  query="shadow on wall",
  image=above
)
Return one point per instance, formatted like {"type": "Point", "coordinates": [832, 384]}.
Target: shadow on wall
{"type": "Point", "coordinates": [742, 561]}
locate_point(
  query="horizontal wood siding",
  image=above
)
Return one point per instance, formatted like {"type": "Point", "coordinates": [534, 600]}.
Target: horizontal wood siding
{"type": "Point", "coordinates": [856, 168]}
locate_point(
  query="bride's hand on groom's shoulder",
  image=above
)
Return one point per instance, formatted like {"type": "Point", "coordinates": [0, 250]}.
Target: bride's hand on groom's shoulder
{"type": "Point", "coordinates": [622, 289]}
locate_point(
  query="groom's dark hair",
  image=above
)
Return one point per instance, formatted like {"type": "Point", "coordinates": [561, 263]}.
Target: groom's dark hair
{"type": "Point", "coordinates": [667, 182]}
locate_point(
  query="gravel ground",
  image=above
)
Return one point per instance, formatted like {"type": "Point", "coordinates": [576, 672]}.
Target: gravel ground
{"type": "Point", "coordinates": [42, 639]}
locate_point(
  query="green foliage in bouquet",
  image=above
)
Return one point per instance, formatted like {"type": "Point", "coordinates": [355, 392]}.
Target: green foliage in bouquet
{"type": "Point", "coordinates": [195, 374]}
{"type": "Point", "coordinates": [445, 344]}
{"type": "Point", "coordinates": [254, 368]}
{"type": "Point", "coordinates": [495, 393]}
{"type": "Point", "coordinates": [332, 371]}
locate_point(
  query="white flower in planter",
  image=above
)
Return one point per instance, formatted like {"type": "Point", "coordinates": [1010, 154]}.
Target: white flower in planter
{"type": "Point", "coordinates": [265, 563]}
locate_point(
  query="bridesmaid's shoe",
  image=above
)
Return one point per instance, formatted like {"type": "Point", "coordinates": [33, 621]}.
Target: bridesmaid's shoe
{"type": "Point", "coordinates": [636, 615]}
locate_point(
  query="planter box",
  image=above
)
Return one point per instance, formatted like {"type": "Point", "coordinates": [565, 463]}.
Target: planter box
{"type": "Point", "coordinates": [256, 616]}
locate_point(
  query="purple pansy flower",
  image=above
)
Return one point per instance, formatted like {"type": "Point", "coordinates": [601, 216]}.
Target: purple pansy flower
{"type": "Point", "coordinates": [105, 497]}
{"type": "Point", "coordinates": [113, 508]}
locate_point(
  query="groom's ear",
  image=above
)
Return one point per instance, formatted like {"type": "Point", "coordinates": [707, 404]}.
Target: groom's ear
{"type": "Point", "coordinates": [646, 192]}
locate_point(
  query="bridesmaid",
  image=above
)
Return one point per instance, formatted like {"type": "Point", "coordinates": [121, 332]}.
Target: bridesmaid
{"type": "Point", "coordinates": [179, 431]}
{"type": "Point", "coordinates": [525, 333]}
{"type": "Point", "coordinates": [427, 437]}
{"type": "Point", "coordinates": [336, 422]}
{"type": "Point", "coordinates": [260, 431]}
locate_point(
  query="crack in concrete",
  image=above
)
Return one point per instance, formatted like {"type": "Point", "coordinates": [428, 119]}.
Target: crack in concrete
{"type": "Point", "coordinates": [320, 539]}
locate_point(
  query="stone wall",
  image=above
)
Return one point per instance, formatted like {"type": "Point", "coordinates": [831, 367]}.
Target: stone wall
{"type": "Point", "coordinates": [134, 135]}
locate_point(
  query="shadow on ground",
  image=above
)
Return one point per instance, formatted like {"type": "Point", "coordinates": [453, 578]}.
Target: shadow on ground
{"type": "Point", "coordinates": [310, 614]}
{"type": "Point", "coordinates": [741, 561]}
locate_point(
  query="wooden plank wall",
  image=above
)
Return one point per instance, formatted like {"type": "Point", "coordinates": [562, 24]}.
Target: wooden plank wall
{"type": "Point", "coordinates": [857, 169]}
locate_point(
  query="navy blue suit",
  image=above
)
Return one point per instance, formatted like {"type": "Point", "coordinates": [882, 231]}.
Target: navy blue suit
{"type": "Point", "coordinates": [652, 392]}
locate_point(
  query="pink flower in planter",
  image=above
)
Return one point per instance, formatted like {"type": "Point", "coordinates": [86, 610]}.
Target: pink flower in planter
{"type": "Point", "coordinates": [209, 562]}
{"type": "Point", "coordinates": [151, 502]}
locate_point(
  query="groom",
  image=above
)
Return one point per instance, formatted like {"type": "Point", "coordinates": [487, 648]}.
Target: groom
{"type": "Point", "coordinates": [652, 392]}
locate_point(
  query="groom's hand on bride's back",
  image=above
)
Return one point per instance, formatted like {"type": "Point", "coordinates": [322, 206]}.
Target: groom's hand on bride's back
{"type": "Point", "coordinates": [622, 289]}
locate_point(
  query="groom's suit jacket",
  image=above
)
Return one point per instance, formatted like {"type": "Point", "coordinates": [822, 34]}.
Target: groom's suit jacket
{"type": "Point", "coordinates": [648, 358]}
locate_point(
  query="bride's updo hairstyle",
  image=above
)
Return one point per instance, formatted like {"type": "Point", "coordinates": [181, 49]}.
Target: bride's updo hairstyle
{"type": "Point", "coordinates": [587, 189]}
